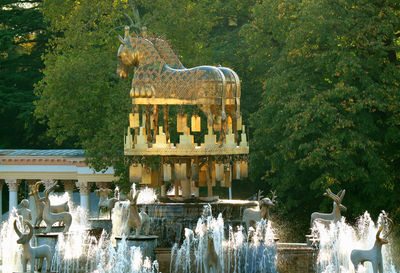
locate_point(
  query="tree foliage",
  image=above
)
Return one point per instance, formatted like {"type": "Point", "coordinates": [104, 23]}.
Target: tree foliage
{"type": "Point", "coordinates": [330, 109]}
{"type": "Point", "coordinates": [23, 37]}
{"type": "Point", "coordinates": [80, 94]}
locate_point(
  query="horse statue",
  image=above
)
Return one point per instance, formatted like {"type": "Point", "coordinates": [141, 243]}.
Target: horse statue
{"type": "Point", "coordinates": [161, 79]}
{"type": "Point", "coordinates": [233, 90]}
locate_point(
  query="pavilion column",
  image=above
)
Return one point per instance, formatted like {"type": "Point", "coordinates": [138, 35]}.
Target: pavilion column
{"type": "Point", "coordinates": [32, 203]}
{"type": "Point", "coordinates": [69, 189]}
{"type": "Point", "coordinates": [163, 190]}
{"type": "Point", "coordinates": [186, 191]}
{"type": "Point", "coordinates": [84, 190]}
{"type": "Point", "coordinates": [13, 189]}
{"type": "Point", "coordinates": [1, 200]}
{"type": "Point", "coordinates": [195, 190]}
{"type": "Point", "coordinates": [185, 183]}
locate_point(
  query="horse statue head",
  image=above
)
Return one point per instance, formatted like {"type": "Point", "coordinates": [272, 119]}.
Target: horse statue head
{"type": "Point", "coordinates": [128, 56]}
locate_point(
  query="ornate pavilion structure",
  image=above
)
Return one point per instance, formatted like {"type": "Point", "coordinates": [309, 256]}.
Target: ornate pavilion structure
{"type": "Point", "coordinates": [66, 166]}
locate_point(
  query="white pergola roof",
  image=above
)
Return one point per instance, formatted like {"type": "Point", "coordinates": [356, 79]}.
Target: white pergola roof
{"type": "Point", "coordinates": [50, 164]}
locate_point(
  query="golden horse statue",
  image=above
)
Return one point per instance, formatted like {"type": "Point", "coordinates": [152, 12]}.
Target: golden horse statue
{"type": "Point", "coordinates": [161, 79]}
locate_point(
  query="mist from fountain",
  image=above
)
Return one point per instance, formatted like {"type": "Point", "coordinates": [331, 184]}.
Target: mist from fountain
{"type": "Point", "coordinates": [76, 251]}
{"type": "Point", "coordinates": [10, 251]}
{"type": "Point", "coordinates": [237, 253]}
{"type": "Point", "coordinates": [338, 240]}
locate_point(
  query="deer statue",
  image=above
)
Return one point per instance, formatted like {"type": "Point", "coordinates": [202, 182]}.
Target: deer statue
{"type": "Point", "coordinates": [253, 215]}
{"type": "Point", "coordinates": [373, 255]}
{"type": "Point", "coordinates": [51, 218]}
{"type": "Point", "coordinates": [39, 202]}
{"type": "Point", "coordinates": [137, 220]}
{"type": "Point", "coordinates": [335, 215]}
{"type": "Point", "coordinates": [104, 201]}
{"type": "Point", "coordinates": [32, 253]}
{"type": "Point", "coordinates": [211, 261]}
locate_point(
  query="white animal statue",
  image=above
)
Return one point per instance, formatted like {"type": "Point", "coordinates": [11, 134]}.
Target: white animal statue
{"type": "Point", "coordinates": [211, 261]}
{"type": "Point", "coordinates": [31, 253]}
{"type": "Point", "coordinates": [253, 215]}
{"type": "Point", "coordinates": [39, 202]}
{"type": "Point", "coordinates": [135, 219]}
{"type": "Point", "coordinates": [51, 218]}
{"type": "Point", "coordinates": [335, 215]}
{"type": "Point", "coordinates": [24, 212]}
{"type": "Point", "coordinates": [104, 201]}
{"type": "Point", "coordinates": [373, 255]}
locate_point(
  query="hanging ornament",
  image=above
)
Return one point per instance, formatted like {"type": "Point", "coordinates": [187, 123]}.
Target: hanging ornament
{"type": "Point", "coordinates": [196, 123]}
{"type": "Point", "coordinates": [134, 120]}
{"type": "Point", "coordinates": [181, 122]}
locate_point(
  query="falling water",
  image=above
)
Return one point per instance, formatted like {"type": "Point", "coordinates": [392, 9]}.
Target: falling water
{"type": "Point", "coordinates": [10, 251]}
{"type": "Point", "coordinates": [237, 253]}
{"type": "Point", "coordinates": [77, 251]}
{"type": "Point", "coordinates": [338, 240]}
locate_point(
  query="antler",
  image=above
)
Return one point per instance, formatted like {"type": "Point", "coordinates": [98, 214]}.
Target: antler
{"type": "Point", "coordinates": [341, 195]}
{"type": "Point", "coordinates": [391, 227]}
{"type": "Point", "coordinates": [50, 189]}
{"type": "Point", "coordinates": [259, 195]}
{"type": "Point", "coordinates": [274, 196]}
{"type": "Point", "coordinates": [37, 185]}
{"type": "Point", "coordinates": [330, 194]}
{"type": "Point", "coordinates": [130, 196]}
{"type": "Point", "coordinates": [16, 229]}
{"type": "Point", "coordinates": [379, 232]}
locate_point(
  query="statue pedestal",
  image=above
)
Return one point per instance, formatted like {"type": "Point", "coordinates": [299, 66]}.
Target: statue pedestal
{"type": "Point", "coordinates": [147, 244]}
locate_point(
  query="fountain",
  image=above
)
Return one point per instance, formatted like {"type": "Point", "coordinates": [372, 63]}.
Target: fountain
{"type": "Point", "coordinates": [181, 231]}
{"type": "Point", "coordinates": [338, 240]}
{"type": "Point", "coordinates": [205, 248]}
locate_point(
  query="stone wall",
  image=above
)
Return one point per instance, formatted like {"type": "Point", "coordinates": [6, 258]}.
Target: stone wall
{"type": "Point", "coordinates": [297, 258]}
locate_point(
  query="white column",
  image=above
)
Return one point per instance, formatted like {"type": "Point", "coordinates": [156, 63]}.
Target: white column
{"type": "Point", "coordinates": [1, 200]}
{"type": "Point", "coordinates": [13, 189]}
{"type": "Point", "coordinates": [186, 191]}
{"type": "Point", "coordinates": [84, 190]}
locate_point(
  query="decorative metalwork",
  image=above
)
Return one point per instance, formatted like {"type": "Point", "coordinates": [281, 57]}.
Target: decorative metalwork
{"type": "Point", "coordinates": [161, 79]}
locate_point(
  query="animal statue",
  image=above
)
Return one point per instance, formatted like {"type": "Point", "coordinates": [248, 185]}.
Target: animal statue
{"type": "Point", "coordinates": [135, 219]}
{"type": "Point", "coordinates": [373, 255]}
{"type": "Point", "coordinates": [335, 215]}
{"type": "Point", "coordinates": [233, 90]}
{"type": "Point", "coordinates": [154, 80]}
{"type": "Point", "coordinates": [39, 202]}
{"type": "Point", "coordinates": [104, 201]}
{"type": "Point", "coordinates": [51, 218]}
{"type": "Point", "coordinates": [211, 261]}
{"type": "Point", "coordinates": [31, 253]}
{"type": "Point", "coordinates": [24, 212]}
{"type": "Point", "coordinates": [253, 215]}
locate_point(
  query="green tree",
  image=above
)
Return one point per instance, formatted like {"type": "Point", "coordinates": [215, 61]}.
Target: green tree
{"type": "Point", "coordinates": [81, 96]}
{"type": "Point", "coordinates": [330, 109]}
{"type": "Point", "coordinates": [23, 37]}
